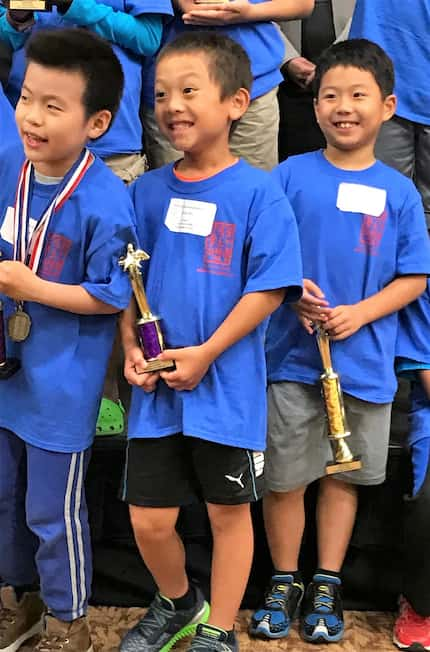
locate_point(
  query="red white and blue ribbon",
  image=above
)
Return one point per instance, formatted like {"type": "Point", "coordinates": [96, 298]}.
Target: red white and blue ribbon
{"type": "Point", "coordinates": [29, 249]}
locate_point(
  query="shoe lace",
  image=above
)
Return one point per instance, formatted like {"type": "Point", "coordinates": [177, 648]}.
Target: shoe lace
{"type": "Point", "coordinates": [323, 600]}
{"type": "Point", "coordinates": [277, 597]}
{"type": "Point", "coordinates": [51, 642]}
{"type": "Point", "coordinates": [155, 618]}
{"type": "Point", "coordinates": [7, 618]}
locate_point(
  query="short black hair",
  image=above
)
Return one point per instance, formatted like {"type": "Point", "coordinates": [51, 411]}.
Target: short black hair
{"type": "Point", "coordinates": [79, 50]}
{"type": "Point", "coordinates": [229, 64]}
{"type": "Point", "coordinates": [357, 53]}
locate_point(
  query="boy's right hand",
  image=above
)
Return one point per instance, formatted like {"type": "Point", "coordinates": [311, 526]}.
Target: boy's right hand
{"type": "Point", "coordinates": [313, 306]}
{"type": "Point", "coordinates": [134, 366]}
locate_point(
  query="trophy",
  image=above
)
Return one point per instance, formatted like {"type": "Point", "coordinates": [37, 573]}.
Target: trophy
{"type": "Point", "coordinates": [8, 366]}
{"type": "Point", "coordinates": [148, 326]}
{"type": "Point", "coordinates": [338, 429]}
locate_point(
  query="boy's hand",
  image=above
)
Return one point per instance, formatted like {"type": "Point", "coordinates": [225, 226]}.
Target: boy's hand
{"type": "Point", "coordinates": [192, 363]}
{"type": "Point", "coordinates": [224, 13]}
{"type": "Point", "coordinates": [344, 321]}
{"type": "Point", "coordinates": [312, 306]}
{"type": "Point", "coordinates": [134, 366]}
{"type": "Point", "coordinates": [17, 281]}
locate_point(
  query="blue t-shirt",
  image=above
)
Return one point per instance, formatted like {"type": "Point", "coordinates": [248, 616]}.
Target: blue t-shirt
{"type": "Point", "coordinates": [194, 281]}
{"type": "Point", "coordinates": [402, 29]}
{"type": "Point", "coordinates": [52, 401]}
{"type": "Point", "coordinates": [125, 134]}
{"type": "Point", "coordinates": [8, 131]}
{"type": "Point", "coordinates": [350, 256]}
{"type": "Point", "coordinates": [262, 42]}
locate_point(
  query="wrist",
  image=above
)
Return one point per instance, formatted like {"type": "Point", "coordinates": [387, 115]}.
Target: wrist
{"type": "Point", "coordinates": [209, 350]}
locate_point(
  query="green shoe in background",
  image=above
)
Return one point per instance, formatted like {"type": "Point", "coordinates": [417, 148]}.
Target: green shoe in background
{"type": "Point", "coordinates": [111, 418]}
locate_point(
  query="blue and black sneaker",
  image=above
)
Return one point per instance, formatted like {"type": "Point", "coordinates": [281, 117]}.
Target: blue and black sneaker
{"type": "Point", "coordinates": [322, 614]}
{"type": "Point", "coordinates": [281, 606]}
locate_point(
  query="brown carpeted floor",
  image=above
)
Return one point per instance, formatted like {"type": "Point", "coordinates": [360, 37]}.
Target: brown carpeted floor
{"type": "Point", "coordinates": [366, 632]}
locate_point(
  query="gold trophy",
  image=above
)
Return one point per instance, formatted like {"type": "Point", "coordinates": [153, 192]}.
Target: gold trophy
{"type": "Point", "coordinates": [338, 429]}
{"type": "Point", "coordinates": [148, 326]}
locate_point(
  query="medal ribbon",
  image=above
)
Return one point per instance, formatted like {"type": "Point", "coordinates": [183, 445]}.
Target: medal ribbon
{"type": "Point", "coordinates": [32, 251]}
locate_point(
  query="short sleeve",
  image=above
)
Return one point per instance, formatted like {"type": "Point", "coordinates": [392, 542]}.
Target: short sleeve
{"type": "Point", "coordinates": [274, 258]}
{"type": "Point", "coordinates": [413, 252]}
{"type": "Point", "coordinates": [105, 279]}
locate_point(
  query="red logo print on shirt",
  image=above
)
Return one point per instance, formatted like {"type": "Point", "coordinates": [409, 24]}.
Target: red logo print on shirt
{"type": "Point", "coordinates": [372, 230]}
{"type": "Point", "coordinates": [218, 251]}
{"type": "Point", "coordinates": [57, 248]}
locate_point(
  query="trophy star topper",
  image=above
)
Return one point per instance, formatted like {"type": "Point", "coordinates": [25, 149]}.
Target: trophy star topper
{"type": "Point", "coordinates": [133, 258]}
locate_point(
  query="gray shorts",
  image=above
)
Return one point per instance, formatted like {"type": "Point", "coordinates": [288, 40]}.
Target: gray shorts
{"type": "Point", "coordinates": [298, 448]}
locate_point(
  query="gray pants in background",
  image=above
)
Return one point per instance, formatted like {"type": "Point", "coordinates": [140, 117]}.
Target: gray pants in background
{"type": "Point", "coordinates": [405, 146]}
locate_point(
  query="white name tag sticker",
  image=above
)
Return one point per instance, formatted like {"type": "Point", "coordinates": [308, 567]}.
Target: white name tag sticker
{"type": "Point", "coordinates": [357, 198]}
{"type": "Point", "coordinates": [6, 231]}
{"type": "Point", "coordinates": [190, 216]}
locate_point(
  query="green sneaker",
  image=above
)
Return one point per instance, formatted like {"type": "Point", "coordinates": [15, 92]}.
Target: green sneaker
{"type": "Point", "coordinates": [162, 625]}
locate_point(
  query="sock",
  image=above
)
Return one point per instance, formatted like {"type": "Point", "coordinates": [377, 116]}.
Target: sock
{"type": "Point", "coordinates": [186, 601]}
{"type": "Point", "coordinates": [296, 575]}
{"type": "Point", "coordinates": [332, 577]}
{"type": "Point", "coordinates": [25, 588]}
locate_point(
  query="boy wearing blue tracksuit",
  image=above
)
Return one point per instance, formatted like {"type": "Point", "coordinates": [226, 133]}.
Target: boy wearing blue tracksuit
{"type": "Point", "coordinates": [65, 219]}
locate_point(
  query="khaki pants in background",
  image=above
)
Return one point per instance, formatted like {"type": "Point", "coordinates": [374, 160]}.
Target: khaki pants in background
{"type": "Point", "coordinates": [254, 138]}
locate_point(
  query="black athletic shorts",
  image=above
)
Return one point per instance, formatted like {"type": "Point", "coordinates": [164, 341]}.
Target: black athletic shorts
{"type": "Point", "coordinates": [177, 470]}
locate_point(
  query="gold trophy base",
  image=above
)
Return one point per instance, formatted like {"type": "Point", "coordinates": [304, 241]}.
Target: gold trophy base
{"type": "Point", "coordinates": [159, 365]}
{"type": "Point", "coordinates": [340, 467]}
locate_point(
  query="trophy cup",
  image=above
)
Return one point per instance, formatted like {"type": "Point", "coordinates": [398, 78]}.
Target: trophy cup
{"type": "Point", "coordinates": [148, 326]}
{"type": "Point", "coordinates": [338, 429]}
{"type": "Point", "coordinates": [8, 366]}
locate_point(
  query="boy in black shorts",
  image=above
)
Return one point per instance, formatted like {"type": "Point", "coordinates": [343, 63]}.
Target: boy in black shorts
{"type": "Point", "coordinates": [224, 254]}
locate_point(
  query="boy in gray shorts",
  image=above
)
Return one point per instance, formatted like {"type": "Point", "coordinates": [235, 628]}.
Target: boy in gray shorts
{"type": "Point", "coordinates": [365, 255]}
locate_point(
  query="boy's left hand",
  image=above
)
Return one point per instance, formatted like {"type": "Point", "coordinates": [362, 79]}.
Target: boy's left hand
{"type": "Point", "coordinates": [224, 13]}
{"type": "Point", "coordinates": [17, 281]}
{"type": "Point", "coordinates": [344, 321]}
{"type": "Point", "coordinates": [192, 363]}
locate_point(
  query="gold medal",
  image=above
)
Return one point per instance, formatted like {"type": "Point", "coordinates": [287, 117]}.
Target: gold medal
{"type": "Point", "coordinates": [19, 325]}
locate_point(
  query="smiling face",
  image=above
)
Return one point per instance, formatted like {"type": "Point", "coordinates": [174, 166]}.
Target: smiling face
{"type": "Point", "coordinates": [51, 118]}
{"type": "Point", "coordinates": [188, 104]}
{"type": "Point", "coordinates": [350, 108]}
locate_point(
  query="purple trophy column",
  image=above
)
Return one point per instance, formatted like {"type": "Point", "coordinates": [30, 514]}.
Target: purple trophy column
{"type": "Point", "coordinates": [148, 334]}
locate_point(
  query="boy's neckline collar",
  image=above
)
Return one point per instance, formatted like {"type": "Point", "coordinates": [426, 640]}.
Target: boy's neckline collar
{"type": "Point", "coordinates": [45, 180]}
{"type": "Point", "coordinates": [338, 167]}
{"type": "Point", "coordinates": [346, 171]}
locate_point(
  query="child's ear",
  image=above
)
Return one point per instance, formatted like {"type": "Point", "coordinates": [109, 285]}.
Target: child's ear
{"type": "Point", "coordinates": [239, 103]}
{"type": "Point", "coordinates": [390, 105]}
{"type": "Point", "coordinates": [99, 123]}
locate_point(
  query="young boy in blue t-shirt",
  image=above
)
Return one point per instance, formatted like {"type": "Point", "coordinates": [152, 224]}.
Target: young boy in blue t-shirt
{"type": "Point", "coordinates": [224, 254]}
{"type": "Point", "coordinates": [64, 221]}
{"type": "Point", "coordinates": [366, 253]}
{"type": "Point", "coordinates": [412, 626]}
